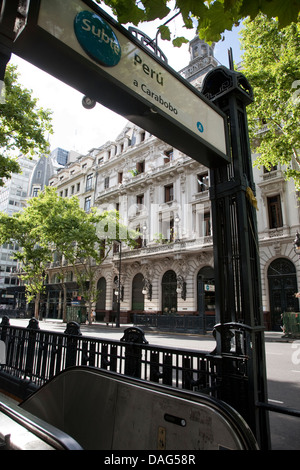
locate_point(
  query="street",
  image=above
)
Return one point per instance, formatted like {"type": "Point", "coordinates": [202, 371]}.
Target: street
{"type": "Point", "coordinates": [283, 373]}
{"type": "Point", "coordinates": [283, 369]}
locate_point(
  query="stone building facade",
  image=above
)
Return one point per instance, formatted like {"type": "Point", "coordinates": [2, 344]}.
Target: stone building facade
{"type": "Point", "coordinates": [164, 195]}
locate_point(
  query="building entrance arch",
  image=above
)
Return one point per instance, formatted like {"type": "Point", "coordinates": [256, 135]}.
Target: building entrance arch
{"type": "Point", "coordinates": [137, 294]}
{"type": "Point", "coordinates": [169, 294]}
{"type": "Point", "coordinates": [282, 288]}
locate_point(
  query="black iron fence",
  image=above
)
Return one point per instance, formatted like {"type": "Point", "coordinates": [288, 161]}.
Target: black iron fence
{"type": "Point", "coordinates": [34, 356]}
{"type": "Point", "coordinates": [176, 323]}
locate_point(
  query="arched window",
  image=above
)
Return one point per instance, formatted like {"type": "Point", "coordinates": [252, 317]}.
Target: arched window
{"type": "Point", "coordinates": [101, 287]}
{"type": "Point", "coordinates": [137, 295]}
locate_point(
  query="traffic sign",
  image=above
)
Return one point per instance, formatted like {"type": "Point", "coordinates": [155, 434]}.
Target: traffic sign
{"type": "Point", "coordinates": [80, 44]}
{"type": "Point", "coordinates": [209, 288]}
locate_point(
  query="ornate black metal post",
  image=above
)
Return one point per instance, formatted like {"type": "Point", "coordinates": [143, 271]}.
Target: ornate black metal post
{"type": "Point", "coordinates": [236, 257]}
{"type": "Point", "coordinates": [13, 15]}
{"type": "Point", "coordinates": [135, 338]}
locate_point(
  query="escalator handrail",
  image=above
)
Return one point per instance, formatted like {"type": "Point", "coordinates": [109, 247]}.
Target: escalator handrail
{"type": "Point", "coordinates": [46, 432]}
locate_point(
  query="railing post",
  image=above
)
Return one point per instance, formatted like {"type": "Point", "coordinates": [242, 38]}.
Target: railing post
{"type": "Point", "coordinates": [32, 328]}
{"type": "Point", "coordinates": [3, 327]}
{"type": "Point", "coordinates": [73, 333]}
{"type": "Point", "coordinates": [133, 354]}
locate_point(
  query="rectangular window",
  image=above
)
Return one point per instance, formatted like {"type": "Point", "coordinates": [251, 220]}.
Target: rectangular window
{"type": "Point", "coordinates": [206, 224]}
{"type": "Point", "coordinates": [140, 199]}
{"type": "Point", "coordinates": [106, 182]}
{"type": "Point", "coordinates": [89, 182]}
{"type": "Point", "coordinates": [120, 178]}
{"type": "Point", "coordinates": [274, 210]}
{"type": "Point", "coordinates": [169, 193]}
{"type": "Point", "coordinates": [140, 167]}
{"type": "Point", "coordinates": [87, 203]}
{"type": "Point", "coordinates": [203, 183]}
{"type": "Point", "coordinates": [171, 230]}
{"type": "Point", "coordinates": [139, 239]}
{"type": "Point", "coordinates": [168, 156]}
{"type": "Point", "coordinates": [272, 168]}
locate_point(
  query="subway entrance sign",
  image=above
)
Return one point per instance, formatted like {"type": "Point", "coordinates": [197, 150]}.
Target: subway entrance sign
{"type": "Point", "coordinates": [78, 43]}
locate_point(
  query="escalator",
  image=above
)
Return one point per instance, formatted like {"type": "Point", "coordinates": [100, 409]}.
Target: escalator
{"type": "Point", "coordinates": [102, 410]}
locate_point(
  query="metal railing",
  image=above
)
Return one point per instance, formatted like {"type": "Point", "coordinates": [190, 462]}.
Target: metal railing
{"type": "Point", "coordinates": [35, 356]}
{"type": "Point", "coordinates": [180, 323]}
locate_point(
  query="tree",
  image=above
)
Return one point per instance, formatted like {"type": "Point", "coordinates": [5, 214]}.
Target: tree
{"type": "Point", "coordinates": [53, 224]}
{"type": "Point", "coordinates": [23, 125]}
{"type": "Point", "coordinates": [213, 17]}
{"type": "Point", "coordinates": [34, 256]}
{"type": "Point", "coordinates": [271, 63]}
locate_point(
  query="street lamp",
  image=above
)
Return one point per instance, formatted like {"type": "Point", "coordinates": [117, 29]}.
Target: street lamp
{"type": "Point", "coordinates": [181, 287]}
{"type": "Point", "coordinates": [147, 289]}
{"type": "Point", "coordinates": [119, 286]}
{"type": "Point", "coordinates": [297, 244]}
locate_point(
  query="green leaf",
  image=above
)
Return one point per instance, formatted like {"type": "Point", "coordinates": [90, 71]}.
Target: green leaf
{"type": "Point", "coordinates": [156, 9]}
{"type": "Point", "coordinates": [177, 42]}
{"type": "Point", "coordinates": [214, 22]}
{"type": "Point", "coordinates": [164, 32]}
{"type": "Point", "coordinates": [286, 12]}
{"type": "Point", "coordinates": [127, 11]}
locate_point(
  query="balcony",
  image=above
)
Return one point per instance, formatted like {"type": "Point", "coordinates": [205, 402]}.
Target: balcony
{"type": "Point", "coordinates": [154, 249]}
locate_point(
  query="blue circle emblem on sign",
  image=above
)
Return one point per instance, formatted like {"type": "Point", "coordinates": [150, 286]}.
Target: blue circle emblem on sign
{"type": "Point", "coordinates": [200, 126]}
{"type": "Point", "coordinates": [97, 38]}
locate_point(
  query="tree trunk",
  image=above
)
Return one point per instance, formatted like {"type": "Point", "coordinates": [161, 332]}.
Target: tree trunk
{"type": "Point", "coordinates": [36, 305]}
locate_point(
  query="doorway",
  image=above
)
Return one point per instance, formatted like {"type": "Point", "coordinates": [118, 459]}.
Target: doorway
{"type": "Point", "coordinates": [282, 288]}
{"type": "Point", "coordinates": [169, 294]}
{"type": "Point", "coordinates": [137, 294]}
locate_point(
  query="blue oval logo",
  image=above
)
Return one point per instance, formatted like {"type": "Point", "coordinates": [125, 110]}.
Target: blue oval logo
{"type": "Point", "coordinates": [200, 126]}
{"type": "Point", "coordinates": [97, 38]}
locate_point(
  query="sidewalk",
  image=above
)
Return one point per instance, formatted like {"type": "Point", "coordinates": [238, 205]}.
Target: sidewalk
{"type": "Point", "coordinates": [103, 327]}
{"type": "Point", "coordinates": [111, 331]}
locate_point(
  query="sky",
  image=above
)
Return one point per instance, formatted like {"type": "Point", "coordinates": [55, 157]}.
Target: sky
{"type": "Point", "coordinates": [76, 128]}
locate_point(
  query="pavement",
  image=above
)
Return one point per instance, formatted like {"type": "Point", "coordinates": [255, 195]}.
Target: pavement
{"type": "Point", "coordinates": [159, 337]}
